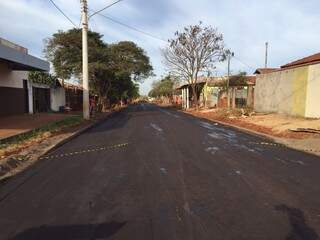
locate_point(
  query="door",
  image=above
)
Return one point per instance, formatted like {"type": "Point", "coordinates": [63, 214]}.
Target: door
{"type": "Point", "coordinates": [41, 99]}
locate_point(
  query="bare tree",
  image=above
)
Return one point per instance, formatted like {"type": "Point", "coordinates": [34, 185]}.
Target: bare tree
{"type": "Point", "coordinates": [192, 51]}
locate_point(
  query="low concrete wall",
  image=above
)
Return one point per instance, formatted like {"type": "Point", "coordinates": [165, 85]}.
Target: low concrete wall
{"type": "Point", "coordinates": [282, 92]}
{"type": "Point", "coordinates": [293, 92]}
{"type": "Point", "coordinates": [313, 90]}
{"type": "Point", "coordinates": [58, 98]}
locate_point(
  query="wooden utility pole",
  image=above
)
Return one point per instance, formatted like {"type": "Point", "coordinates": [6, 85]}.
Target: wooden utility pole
{"type": "Point", "coordinates": [85, 68]}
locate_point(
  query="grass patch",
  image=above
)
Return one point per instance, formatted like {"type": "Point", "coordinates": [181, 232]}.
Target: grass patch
{"type": "Point", "coordinates": [43, 131]}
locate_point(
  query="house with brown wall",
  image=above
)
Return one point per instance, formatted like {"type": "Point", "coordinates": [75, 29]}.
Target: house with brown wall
{"type": "Point", "coordinates": [17, 94]}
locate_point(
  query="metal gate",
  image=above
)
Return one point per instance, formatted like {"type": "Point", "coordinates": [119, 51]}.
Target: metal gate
{"type": "Point", "coordinates": [41, 99]}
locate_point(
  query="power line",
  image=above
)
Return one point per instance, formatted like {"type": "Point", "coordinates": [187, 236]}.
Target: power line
{"type": "Point", "coordinates": [55, 5]}
{"type": "Point", "coordinates": [130, 27]}
{"type": "Point", "coordinates": [239, 60]}
{"type": "Point", "coordinates": [110, 5]}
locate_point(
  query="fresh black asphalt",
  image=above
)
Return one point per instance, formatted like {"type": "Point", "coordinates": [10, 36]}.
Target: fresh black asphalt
{"type": "Point", "coordinates": [155, 173]}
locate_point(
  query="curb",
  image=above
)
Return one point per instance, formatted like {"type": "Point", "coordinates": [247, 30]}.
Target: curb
{"type": "Point", "coordinates": [76, 134]}
{"type": "Point", "coordinates": [258, 134]}
{"type": "Point", "coordinates": [54, 147]}
{"type": "Point", "coordinates": [246, 130]}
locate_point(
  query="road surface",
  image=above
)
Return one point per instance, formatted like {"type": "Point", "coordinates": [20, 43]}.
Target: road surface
{"type": "Point", "coordinates": [154, 173]}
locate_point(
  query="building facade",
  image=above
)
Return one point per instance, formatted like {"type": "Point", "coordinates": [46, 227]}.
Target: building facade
{"type": "Point", "coordinates": [294, 89]}
{"type": "Point", "coordinates": [212, 93]}
{"type": "Point", "coordinates": [17, 94]}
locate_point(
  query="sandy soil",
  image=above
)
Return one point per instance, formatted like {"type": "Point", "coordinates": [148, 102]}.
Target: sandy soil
{"type": "Point", "coordinates": [273, 124]}
{"type": "Point", "coordinates": [280, 123]}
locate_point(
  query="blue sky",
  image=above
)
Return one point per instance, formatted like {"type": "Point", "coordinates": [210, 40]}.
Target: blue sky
{"type": "Point", "coordinates": [290, 26]}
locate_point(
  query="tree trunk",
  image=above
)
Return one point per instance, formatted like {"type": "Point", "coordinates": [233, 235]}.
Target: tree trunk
{"type": "Point", "coordinates": [195, 96]}
{"type": "Point", "coordinates": [100, 104]}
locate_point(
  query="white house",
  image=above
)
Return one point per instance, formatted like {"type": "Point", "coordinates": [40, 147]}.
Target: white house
{"type": "Point", "coordinates": [17, 94]}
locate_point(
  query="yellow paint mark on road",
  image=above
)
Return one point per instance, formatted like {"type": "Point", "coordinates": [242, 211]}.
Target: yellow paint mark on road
{"type": "Point", "coordinates": [86, 151]}
{"type": "Point", "coordinates": [268, 144]}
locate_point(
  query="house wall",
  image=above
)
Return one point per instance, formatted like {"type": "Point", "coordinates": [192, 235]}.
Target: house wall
{"type": "Point", "coordinates": [12, 79]}
{"type": "Point", "coordinates": [210, 95]}
{"type": "Point", "coordinates": [13, 97]}
{"type": "Point", "coordinates": [31, 87]}
{"type": "Point", "coordinates": [58, 98]}
{"type": "Point", "coordinates": [313, 92]}
{"type": "Point", "coordinates": [294, 91]}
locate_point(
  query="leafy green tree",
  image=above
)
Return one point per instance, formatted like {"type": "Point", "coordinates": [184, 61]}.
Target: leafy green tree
{"type": "Point", "coordinates": [123, 89]}
{"type": "Point", "coordinates": [129, 58]}
{"type": "Point", "coordinates": [64, 51]}
{"type": "Point", "coordinates": [108, 63]}
{"type": "Point", "coordinates": [164, 87]}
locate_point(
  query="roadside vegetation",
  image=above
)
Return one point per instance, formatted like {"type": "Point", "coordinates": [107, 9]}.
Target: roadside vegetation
{"type": "Point", "coordinates": [115, 70]}
{"type": "Point", "coordinates": [21, 141]}
{"type": "Point", "coordinates": [164, 87]}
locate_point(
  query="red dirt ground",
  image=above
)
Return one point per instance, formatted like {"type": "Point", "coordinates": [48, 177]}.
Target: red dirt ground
{"type": "Point", "coordinates": [238, 121]}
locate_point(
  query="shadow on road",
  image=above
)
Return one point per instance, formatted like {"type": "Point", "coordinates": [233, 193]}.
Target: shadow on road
{"type": "Point", "coordinates": [121, 118]}
{"type": "Point", "coordinates": [299, 228]}
{"type": "Point", "coordinates": [71, 232]}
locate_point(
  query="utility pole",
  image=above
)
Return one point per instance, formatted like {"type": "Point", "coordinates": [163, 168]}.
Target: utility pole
{"type": "Point", "coordinates": [85, 70]}
{"type": "Point", "coordinates": [230, 54]}
{"type": "Point", "coordinates": [266, 57]}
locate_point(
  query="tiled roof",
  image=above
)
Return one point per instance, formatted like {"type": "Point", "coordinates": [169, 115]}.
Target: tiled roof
{"type": "Point", "coordinates": [251, 80]}
{"type": "Point", "coordinates": [218, 81]}
{"type": "Point", "coordinates": [304, 61]}
{"type": "Point", "coordinates": [68, 85]}
{"type": "Point", "coordinates": [265, 70]}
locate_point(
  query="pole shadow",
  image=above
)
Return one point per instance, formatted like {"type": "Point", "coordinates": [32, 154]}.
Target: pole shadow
{"type": "Point", "coordinates": [299, 227]}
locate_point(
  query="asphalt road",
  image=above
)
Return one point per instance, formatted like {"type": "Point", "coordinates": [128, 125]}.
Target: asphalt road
{"type": "Point", "coordinates": [155, 173]}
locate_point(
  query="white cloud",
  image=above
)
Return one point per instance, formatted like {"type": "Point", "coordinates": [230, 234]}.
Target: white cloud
{"type": "Point", "coordinates": [290, 26]}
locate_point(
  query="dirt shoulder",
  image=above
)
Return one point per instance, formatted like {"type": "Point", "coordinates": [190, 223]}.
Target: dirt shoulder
{"type": "Point", "coordinates": [25, 150]}
{"type": "Point", "coordinates": [275, 126]}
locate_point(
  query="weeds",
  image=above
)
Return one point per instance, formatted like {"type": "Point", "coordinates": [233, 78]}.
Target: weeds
{"type": "Point", "coordinates": [12, 144]}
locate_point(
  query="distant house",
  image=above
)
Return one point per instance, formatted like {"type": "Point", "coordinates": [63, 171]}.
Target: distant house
{"type": "Point", "coordinates": [292, 89]}
{"type": "Point", "coordinates": [73, 95]}
{"type": "Point", "coordinates": [67, 94]}
{"type": "Point", "coordinates": [17, 94]}
{"type": "Point", "coordinates": [211, 92]}
{"type": "Point", "coordinates": [265, 70]}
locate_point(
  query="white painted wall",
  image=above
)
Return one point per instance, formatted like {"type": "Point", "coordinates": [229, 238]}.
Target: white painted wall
{"type": "Point", "coordinates": [12, 79]}
{"type": "Point", "coordinates": [313, 92]}
{"type": "Point", "coordinates": [30, 97]}
{"type": "Point", "coordinates": [57, 97]}
{"type": "Point", "coordinates": [30, 93]}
